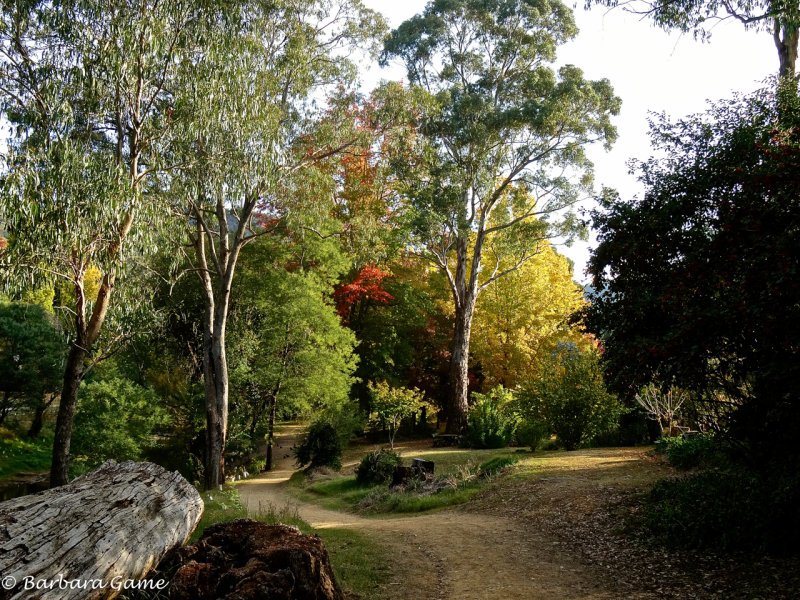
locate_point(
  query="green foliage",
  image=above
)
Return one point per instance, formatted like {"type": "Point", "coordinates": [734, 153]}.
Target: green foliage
{"type": "Point", "coordinates": [287, 346]}
{"type": "Point", "coordinates": [571, 397]}
{"type": "Point", "coordinates": [696, 281]}
{"type": "Point", "coordinates": [491, 422]}
{"type": "Point", "coordinates": [731, 510]}
{"type": "Point", "coordinates": [531, 433]}
{"type": "Point", "coordinates": [321, 446]}
{"type": "Point", "coordinates": [391, 405]}
{"type": "Point", "coordinates": [401, 342]}
{"type": "Point", "coordinates": [31, 357]}
{"type": "Point", "coordinates": [688, 452]}
{"type": "Point", "coordinates": [116, 419]}
{"type": "Point", "coordinates": [377, 468]}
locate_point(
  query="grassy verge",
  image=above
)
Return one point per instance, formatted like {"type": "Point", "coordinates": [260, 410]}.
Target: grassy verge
{"type": "Point", "coordinates": [360, 564]}
{"type": "Point", "coordinates": [20, 455]}
{"type": "Point", "coordinates": [345, 493]}
{"type": "Point", "coordinates": [460, 475]}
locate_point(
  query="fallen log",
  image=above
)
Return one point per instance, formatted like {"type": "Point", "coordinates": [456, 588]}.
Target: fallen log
{"type": "Point", "coordinates": [92, 537]}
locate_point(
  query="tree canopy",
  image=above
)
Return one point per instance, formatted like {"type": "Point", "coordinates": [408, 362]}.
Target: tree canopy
{"type": "Point", "coordinates": [504, 138]}
{"type": "Point", "coordinates": [696, 282]}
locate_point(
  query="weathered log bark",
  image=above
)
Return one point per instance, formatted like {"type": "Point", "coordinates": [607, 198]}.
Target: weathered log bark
{"type": "Point", "coordinates": [115, 522]}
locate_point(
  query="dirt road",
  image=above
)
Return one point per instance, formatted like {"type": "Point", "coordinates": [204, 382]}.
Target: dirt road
{"type": "Point", "coordinates": [452, 554]}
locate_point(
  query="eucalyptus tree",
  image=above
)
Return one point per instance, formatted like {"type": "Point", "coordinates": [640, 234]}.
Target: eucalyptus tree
{"type": "Point", "coordinates": [88, 88]}
{"type": "Point", "coordinates": [504, 145]}
{"type": "Point", "coordinates": [255, 92]}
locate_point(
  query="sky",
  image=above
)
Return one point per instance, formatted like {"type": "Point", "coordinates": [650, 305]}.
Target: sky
{"type": "Point", "coordinates": [650, 70]}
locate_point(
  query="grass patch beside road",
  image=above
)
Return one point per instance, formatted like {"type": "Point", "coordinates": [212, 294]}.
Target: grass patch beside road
{"type": "Point", "coordinates": [459, 475]}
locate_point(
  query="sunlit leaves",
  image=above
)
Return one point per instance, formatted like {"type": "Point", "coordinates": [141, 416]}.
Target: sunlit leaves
{"type": "Point", "coordinates": [522, 317]}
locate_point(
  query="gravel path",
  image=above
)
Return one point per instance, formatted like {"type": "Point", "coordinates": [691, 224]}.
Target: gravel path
{"type": "Point", "coordinates": [451, 554]}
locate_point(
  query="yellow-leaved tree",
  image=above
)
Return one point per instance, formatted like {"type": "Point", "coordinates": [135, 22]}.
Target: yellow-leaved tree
{"type": "Point", "coordinates": [523, 316]}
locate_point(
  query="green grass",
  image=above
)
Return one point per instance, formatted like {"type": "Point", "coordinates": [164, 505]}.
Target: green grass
{"type": "Point", "coordinates": [342, 493]}
{"type": "Point", "coordinates": [460, 465]}
{"type": "Point", "coordinates": [219, 507]}
{"type": "Point", "coordinates": [19, 455]}
{"type": "Point", "coordinates": [361, 566]}
{"type": "Point", "coordinates": [384, 502]}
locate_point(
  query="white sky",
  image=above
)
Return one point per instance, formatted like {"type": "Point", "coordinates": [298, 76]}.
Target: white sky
{"type": "Point", "coordinates": [650, 70]}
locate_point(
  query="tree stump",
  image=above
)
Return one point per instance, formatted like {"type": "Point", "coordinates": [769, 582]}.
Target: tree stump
{"type": "Point", "coordinates": [249, 560]}
{"type": "Point", "coordinates": [107, 527]}
{"type": "Point", "coordinates": [424, 465]}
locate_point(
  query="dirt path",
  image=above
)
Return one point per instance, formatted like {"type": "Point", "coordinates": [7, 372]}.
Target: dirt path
{"type": "Point", "coordinates": [452, 554]}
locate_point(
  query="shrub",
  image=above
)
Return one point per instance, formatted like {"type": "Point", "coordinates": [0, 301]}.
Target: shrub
{"type": "Point", "coordinates": [320, 447]}
{"type": "Point", "coordinates": [393, 404]}
{"type": "Point", "coordinates": [633, 430]}
{"type": "Point", "coordinates": [688, 453]}
{"type": "Point", "coordinates": [491, 423]}
{"type": "Point", "coordinates": [572, 398]}
{"type": "Point", "coordinates": [115, 419]}
{"type": "Point", "coordinates": [731, 510]}
{"type": "Point", "coordinates": [531, 434]}
{"type": "Point", "coordinates": [378, 467]}
{"type": "Point", "coordinates": [550, 445]}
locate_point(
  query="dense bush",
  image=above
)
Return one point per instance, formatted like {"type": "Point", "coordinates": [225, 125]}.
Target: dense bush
{"type": "Point", "coordinates": [689, 452]}
{"type": "Point", "coordinates": [634, 429]}
{"type": "Point", "coordinates": [697, 279]}
{"type": "Point", "coordinates": [378, 467]}
{"type": "Point", "coordinates": [320, 447]}
{"type": "Point", "coordinates": [531, 434]}
{"type": "Point", "coordinates": [491, 422]}
{"type": "Point", "coordinates": [572, 398]}
{"type": "Point", "coordinates": [731, 510]}
{"type": "Point", "coordinates": [116, 419]}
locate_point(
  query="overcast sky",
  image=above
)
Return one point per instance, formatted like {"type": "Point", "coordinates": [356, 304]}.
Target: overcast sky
{"type": "Point", "coordinates": [650, 70]}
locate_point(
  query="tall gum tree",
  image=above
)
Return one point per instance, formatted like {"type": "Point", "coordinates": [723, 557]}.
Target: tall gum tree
{"type": "Point", "coordinates": [254, 93]}
{"type": "Point", "coordinates": [503, 156]}
{"type": "Point", "coordinates": [87, 87]}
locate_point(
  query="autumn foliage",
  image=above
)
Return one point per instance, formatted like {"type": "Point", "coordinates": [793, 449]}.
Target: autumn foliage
{"type": "Point", "coordinates": [367, 286]}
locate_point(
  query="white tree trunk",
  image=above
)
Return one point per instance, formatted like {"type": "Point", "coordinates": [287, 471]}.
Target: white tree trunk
{"type": "Point", "coordinates": [117, 521]}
